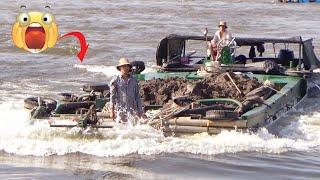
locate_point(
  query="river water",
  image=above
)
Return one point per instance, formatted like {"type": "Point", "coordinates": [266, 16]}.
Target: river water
{"type": "Point", "coordinates": [289, 149]}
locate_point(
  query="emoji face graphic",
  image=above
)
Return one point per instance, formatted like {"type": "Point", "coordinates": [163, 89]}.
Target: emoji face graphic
{"type": "Point", "coordinates": [35, 31]}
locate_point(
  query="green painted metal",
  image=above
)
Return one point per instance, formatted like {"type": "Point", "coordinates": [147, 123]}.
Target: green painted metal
{"type": "Point", "coordinates": [194, 76]}
{"type": "Point", "coordinates": [60, 105]}
{"type": "Point", "coordinates": [293, 91]}
{"type": "Point", "coordinates": [39, 112]}
{"type": "Point", "coordinates": [163, 75]}
{"type": "Point", "coordinates": [160, 75]}
{"type": "Point", "coordinates": [225, 56]}
{"type": "Point", "coordinates": [276, 78]}
{"type": "Point", "coordinates": [207, 62]}
{"type": "Point", "coordinates": [100, 103]}
{"type": "Point", "coordinates": [223, 100]}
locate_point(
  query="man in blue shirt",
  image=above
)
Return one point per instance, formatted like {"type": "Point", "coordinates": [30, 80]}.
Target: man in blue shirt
{"type": "Point", "coordinates": [125, 99]}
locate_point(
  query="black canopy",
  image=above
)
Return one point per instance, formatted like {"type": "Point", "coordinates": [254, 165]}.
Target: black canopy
{"type": "Point", "coordinates": [172, 46]}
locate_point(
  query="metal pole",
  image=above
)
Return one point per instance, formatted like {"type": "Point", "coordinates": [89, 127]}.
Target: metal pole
{"type": "Point", "coordinates": [168, 51]}
{"type": "Point", "coordinates": [300, 55]}
{"type": "Point", "coordinates": [184, 49]}
{"type": "Point", "coordinates": [274, 50]}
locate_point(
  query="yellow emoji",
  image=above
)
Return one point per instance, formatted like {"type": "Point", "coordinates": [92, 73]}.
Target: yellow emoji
{"type": "Point", "coordinates": [35, 31]}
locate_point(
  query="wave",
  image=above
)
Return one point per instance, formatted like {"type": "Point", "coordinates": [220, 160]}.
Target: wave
{"type": "Point", "coordinates": [18, 137]}
{"type": "Point", "coordinates": [109, 71]}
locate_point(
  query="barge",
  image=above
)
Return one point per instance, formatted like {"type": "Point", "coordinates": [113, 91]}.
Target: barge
{"type": "Point", "coordinates": [287, 70]}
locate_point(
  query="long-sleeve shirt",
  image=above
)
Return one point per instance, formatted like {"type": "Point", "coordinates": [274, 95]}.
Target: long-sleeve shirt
{"type": "Point", "coordinates": [124, 95]}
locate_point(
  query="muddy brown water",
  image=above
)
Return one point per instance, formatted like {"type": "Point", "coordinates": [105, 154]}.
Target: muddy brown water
{"type": "Point", "coordinates": [289, 149]}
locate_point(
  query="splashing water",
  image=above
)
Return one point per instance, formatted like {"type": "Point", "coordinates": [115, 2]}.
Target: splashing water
{"type": "Point", "coordinates": [108, 71]}
{"type": "Point", "coordinates": [18, 137]}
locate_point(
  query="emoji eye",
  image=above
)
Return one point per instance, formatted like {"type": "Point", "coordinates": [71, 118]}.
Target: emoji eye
{"type": "Point", "coordinates": [47, 18]}
{"type": "Point", "coordinates": [23, 19]}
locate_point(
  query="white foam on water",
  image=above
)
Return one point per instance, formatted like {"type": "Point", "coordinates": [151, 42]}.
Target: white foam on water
{"type": "Point", "coordinates": [18, 137]}
{"type": "Point", "coordinates": [109, 71]}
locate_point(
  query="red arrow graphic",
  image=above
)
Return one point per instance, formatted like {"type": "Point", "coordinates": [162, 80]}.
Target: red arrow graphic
{"type": "Point", "coordinates": [83, 43]}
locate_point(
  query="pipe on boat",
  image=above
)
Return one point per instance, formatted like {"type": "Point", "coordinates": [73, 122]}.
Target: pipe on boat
{"type": "Point", "coordinates": [186, 121]}
{"type": "Point", "coordinates": [194, 130]}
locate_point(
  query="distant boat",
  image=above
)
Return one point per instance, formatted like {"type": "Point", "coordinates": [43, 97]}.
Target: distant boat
{"type": "Point", "coordinates": [299, 1]}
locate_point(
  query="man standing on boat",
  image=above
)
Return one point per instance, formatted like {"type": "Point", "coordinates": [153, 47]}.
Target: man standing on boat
{"type": "Point", "coordinates": [125, 101]}
{"type": "Point", "coordinates": [222, 37]}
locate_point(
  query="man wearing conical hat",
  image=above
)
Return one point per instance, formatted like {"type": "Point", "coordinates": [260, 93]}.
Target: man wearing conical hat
{"type": "Point", "coordinates": [125, 101]}
{"type": "Point", "coordinates": [222, 36]}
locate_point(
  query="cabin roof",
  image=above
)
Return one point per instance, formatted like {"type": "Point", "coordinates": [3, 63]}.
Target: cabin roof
{"type": "Point", "coordinates": [241, 41]}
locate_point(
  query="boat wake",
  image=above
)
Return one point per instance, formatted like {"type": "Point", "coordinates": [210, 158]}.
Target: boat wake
{"type": "Point", "coordinates": [18, 137]}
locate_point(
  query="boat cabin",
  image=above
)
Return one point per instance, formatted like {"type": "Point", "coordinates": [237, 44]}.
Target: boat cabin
{"type": "Point", "coordinates": [188, 53]}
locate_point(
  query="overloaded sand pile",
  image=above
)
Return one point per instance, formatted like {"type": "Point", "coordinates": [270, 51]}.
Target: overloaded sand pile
{"type": "Point", "coordinates": [160, 91]}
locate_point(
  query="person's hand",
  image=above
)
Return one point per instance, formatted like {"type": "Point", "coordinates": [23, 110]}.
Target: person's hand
{"type": "Point", "coordinates": [208, 52]}
{"type": "Point", "coordinates": [112, 115]}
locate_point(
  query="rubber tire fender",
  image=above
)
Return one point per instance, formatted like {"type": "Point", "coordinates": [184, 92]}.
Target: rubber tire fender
{"type": "Point", "coordinates": [32, 102]}
{"type": "Point", "coordinates": [221, 115]}
{"type": "Point", "coordinates": [137, 67]}
{"type": "Point", "coordinates": [95, 87]}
